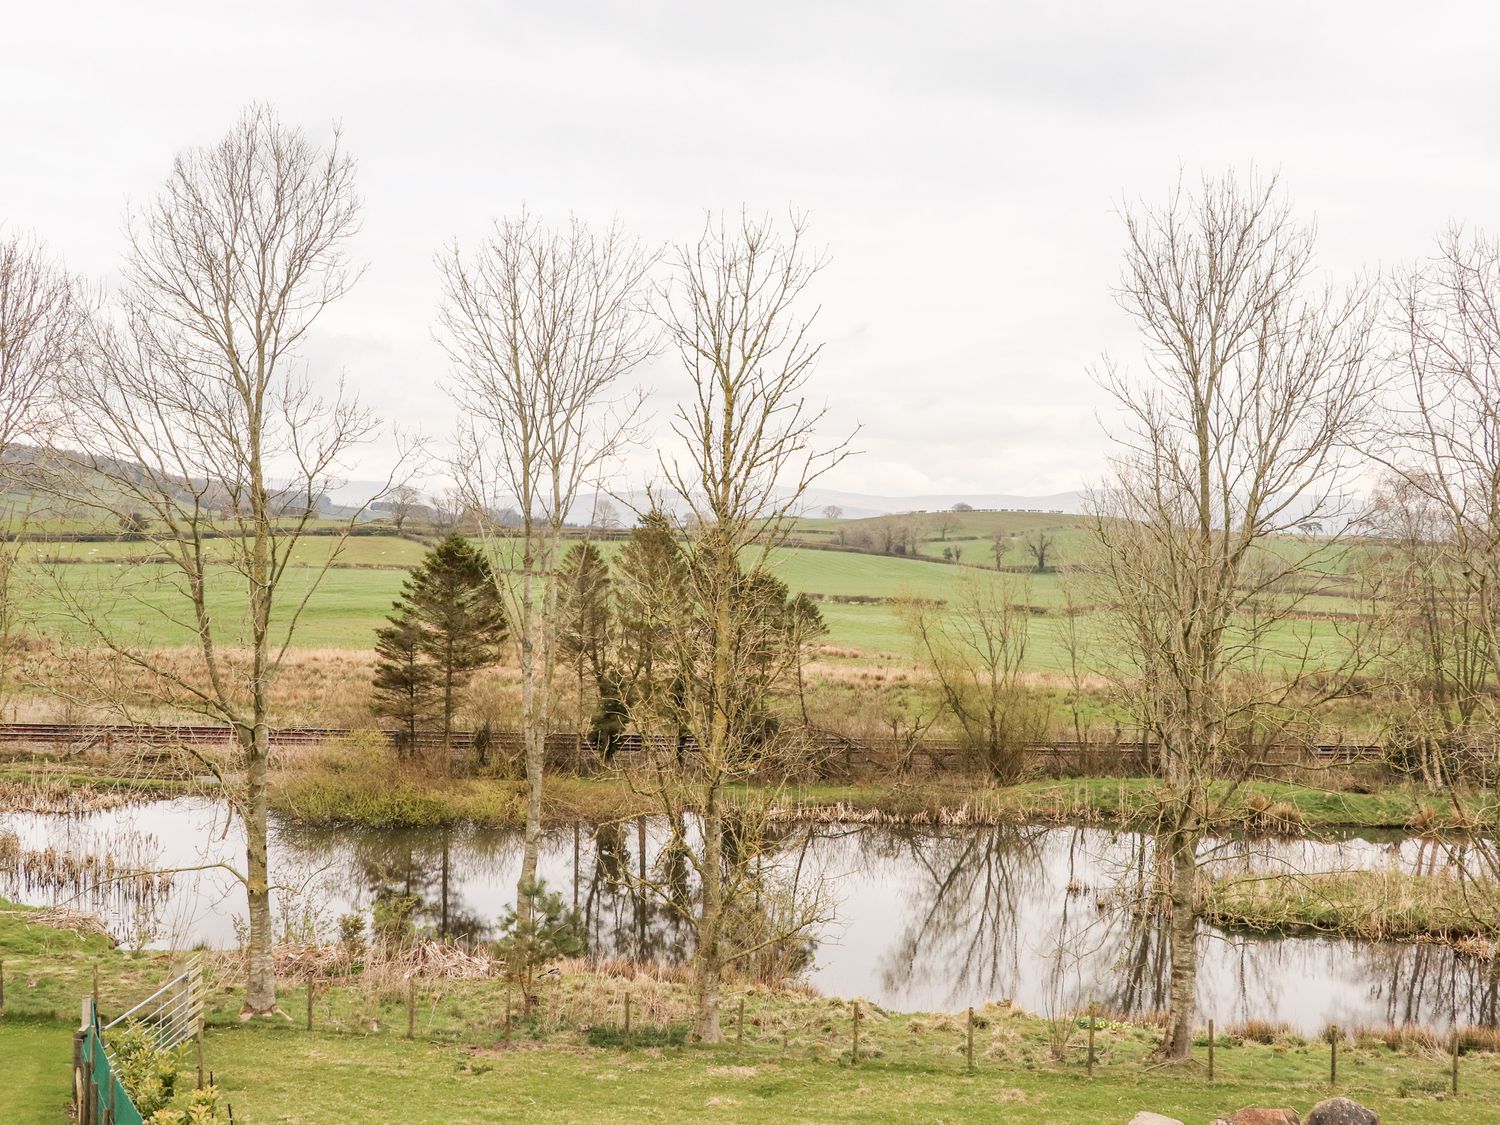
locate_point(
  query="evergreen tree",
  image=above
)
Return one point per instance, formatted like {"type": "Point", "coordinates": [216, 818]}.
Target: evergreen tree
{"type": "Point", "coordinates": [584, 619]}
{"type": "Point", "coordinates": [456, 604]}
{"type": "Point", "coordinates": [448, 623]}
{"type": "Point", "coordinates": [585, 636]}
{"type": "Point", "coordinates": [406, 688]}
{"type": "Point", "coordinates": [650, 589]}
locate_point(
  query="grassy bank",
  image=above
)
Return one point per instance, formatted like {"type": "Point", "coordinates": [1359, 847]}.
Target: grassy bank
{"type": "Point", "coordinates": [368, 790]}
{"type": "Point", "coordinates": [1376, 905]}
{"type": "Point", "coordinates": [354, 786]}
{"type": "Point", "coordinates": [573, 1063]}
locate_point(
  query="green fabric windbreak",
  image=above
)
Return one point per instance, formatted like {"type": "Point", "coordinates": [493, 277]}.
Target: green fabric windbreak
{"type": "Point", "coordinates": [104, 1080]}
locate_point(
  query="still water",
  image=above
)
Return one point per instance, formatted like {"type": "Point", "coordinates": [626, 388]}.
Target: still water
{"type": "Point", "coordinates": [920, 919]}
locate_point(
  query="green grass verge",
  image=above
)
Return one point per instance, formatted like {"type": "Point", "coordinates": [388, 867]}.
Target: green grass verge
{"type": "Point", "coordinates": [572, 1062]}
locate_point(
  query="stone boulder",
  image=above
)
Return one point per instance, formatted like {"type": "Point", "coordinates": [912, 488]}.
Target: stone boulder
{"type": "Point", "coordinates": [1145, 1118]}
{"type": "Point", "coordinates": [1341, 1111]}
{"type": "Point", "coordinates": [1251, 1115]}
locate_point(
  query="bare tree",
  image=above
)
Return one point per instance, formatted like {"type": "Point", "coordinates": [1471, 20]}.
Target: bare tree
{"type": "Point", "coordinates": [975, 647]}
{"type": "Point", "coordinates": [542, 327]}
{"type": "Point", "coordinates": [1436, 675]}
{"type": "Point", "coordinates": [832, 512]}
{"type": "Point", "coordinates": [1074, 646]}
{"type": "Point", "coordinates": [1447, 363]}
{"type": "Point", "coordinates": [748, 456]}
{"type": "Point", "coordinates": [1443, 446]}
{"type": "Point", "coordinates": [402, 502]}
{"type": "Point", "coordinates": [1039, 546]}
{"type": "Point", "coordinates": [606, 515]}
{"type": "Point", "coordinates": [42, 315]}
{"type": "Point", "coordinates": [42, 312]}
{"type": "Point", "coordinates": [1258, 384]}
{"type": "Point", "coordinates": [999, 545]}
{"type": "Point", "coordinates": [191, 405]}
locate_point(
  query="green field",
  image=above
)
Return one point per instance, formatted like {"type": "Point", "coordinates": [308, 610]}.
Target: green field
{"type": "Point", "coordinates": [122, 582]}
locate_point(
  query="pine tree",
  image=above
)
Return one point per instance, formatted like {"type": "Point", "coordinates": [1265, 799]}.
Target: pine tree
{"type": "Point", "coordinates": [448, 623]}
{"type": "Point", "coordinates": [406, 688]}
{"type": "Point", "coordinates": [585, 639]}
{"type": "Point", "coordinates": [650, 587]}
{"type": "Point", "coordinates": [584, 619]}
{"type": "Point", "coordinates": [456, 604]}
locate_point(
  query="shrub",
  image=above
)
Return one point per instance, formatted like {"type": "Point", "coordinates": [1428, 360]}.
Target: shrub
{"type": "Point", "coordinates": [148, 1075]}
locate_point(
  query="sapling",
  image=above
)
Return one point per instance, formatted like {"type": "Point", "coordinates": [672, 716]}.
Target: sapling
{"type": "Point", "coordinates": [538, 930]}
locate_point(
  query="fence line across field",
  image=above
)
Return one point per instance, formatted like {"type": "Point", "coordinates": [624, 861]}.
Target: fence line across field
{"type": "Point", "coordinates": [563, 743]}
{"type": "Point", "coordinates": [174, 1014]}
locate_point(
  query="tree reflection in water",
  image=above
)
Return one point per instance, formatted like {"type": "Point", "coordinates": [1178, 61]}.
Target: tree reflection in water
{"type": "Point", "coordinates": [925, 918]}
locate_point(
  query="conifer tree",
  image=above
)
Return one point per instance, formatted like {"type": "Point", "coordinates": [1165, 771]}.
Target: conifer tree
{"type": "Point", "coordinates": [448, 623]}
{"type": "Point", "coordinates": [406, 682]}
{"type": "Point", "coordinates": [455, 601]}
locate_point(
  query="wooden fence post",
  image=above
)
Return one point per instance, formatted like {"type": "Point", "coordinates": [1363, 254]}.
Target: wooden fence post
{"type": "Point", "coordinates": [1091, 1041]}
{"type": "Point", "coordinates": [1455, 1062]}
{"type": "Point", "coordinates": [854, 1055]}
{"type": "Point", "coordinates": [77, 1083]}
{"type": "Point", "coordinates": [740, 1036]}
{"type": "Point", "coordinates": [309, 1001]}
{"type": "Point", "coordinates": [411, 1005]}
{"type": "Point", "coordinates": [969, 1039]}
{"type": "Point", "coordinates": [1333, 1054]}
{"type": "Point", "coordinates": [507, 1017]}
{"type": "Point", "coordinates": [627, 1017]}
{"type": "Point", "coordinates": [199, 1038]}
{"type": "Point", "coordinates": [1210, 1050]}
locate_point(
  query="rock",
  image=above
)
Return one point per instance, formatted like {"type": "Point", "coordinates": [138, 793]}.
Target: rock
{"type": "Point", "coordinates": [1252, 1116]}
{"type": "Point", "coordinates": [1341, 1111]}
{"type": "Point", "coordinates": [1145, 1118]}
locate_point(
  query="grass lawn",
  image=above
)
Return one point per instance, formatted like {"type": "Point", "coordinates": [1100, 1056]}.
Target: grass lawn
{"type": "Point", "coordinates": [287, 1075]}
{"type": "Point", "coordinates": [572, 1063]}
{"type": "Point", "coordinates": [911, 1069]}
{"type": "Point", "coordinates": [35, 1058]}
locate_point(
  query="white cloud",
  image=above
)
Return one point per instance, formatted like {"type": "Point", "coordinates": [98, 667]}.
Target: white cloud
{"type": "Point", "coordinates": [961, 161]}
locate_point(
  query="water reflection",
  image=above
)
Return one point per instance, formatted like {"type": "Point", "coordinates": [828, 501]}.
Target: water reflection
{"type": "Point", "coordinates": [930, 919]}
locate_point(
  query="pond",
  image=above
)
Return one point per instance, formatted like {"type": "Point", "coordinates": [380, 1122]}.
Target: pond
{"type": "Point", "coordinates": [929, 919]}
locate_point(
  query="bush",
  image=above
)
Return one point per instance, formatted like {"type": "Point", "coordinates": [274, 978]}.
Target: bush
{"type": "Point", "coordinates": [148, 1075]}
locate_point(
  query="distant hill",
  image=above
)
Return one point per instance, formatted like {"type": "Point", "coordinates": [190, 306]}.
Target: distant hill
{"type": "Point", "coordinates": [861, 505]}
{"type": "Point", "coordinates": [852, 505]}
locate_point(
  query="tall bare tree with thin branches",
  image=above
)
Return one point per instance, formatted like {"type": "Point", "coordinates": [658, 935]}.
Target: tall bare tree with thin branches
{"type": "Point", "coordinates": [747, 455]}
{"type": "Point", "coordinates": [43, 312]}
{"type": "Point", "coordinates": [1443, 445]}
{"type": "Point", "coordinates": [194, 411]}
{"type": "Point", "coordinates": [543, 328]}
{"type": "Point", "coordinates": [1240, 435]}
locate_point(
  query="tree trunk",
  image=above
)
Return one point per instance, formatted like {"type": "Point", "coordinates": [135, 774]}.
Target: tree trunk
{"type": "Point", "coordinates": [1181, 849]}
{"type": "Point", "coordinates": [533, 735]}
{"type": "Point", "coordinates": [260, 988]}
{"type": "Point", "coordinates": [707, 957]}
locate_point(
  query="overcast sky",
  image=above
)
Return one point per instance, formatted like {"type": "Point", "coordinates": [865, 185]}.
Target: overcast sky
{"type": "Point", "coordinates": [962, 164]}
